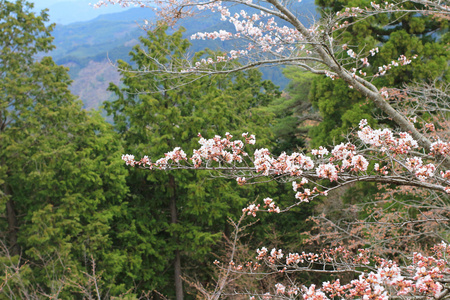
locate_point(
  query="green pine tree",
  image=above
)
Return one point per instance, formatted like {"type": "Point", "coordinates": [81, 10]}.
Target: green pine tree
{"type": "Point", "coordinates": [177, 217]}
{"type": "Point", "coordinates": [62, 183]}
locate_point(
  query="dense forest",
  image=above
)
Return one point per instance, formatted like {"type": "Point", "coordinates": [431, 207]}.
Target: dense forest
{"type": "Point", "coordinates": [370, 222]}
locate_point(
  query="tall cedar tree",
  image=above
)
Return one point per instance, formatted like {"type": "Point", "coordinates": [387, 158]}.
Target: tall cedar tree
{"type": "Point", "coordinates": [61, 180]}
{"type": "Point", "coordinates": [178, 217]}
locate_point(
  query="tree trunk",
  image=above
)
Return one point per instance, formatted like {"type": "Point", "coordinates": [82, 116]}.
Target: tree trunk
{"type": "Point", "coordinates": [174, 219]}
{"type": "Point", "coordinates": [178, 280]}
{"type": "Point", "coordinates": [13, 247]}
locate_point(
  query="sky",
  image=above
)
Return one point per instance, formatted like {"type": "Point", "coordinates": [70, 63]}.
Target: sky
{"type": "Point", "coordinates": [70, 11]}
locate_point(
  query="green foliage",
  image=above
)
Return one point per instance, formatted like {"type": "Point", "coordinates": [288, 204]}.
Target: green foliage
{"type": "Point", "coordinates": [22, 34]}
{"type": "Point", "coordinates": [341, 108]}
{"type": "Point", "coordinates": [292, 110]}
{"type": "Point", "coordinates": [62, 183]}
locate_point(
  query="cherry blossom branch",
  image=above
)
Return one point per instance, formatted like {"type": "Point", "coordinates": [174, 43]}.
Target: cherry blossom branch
{"type": "Point", "coordinates": [290, 44]}
{"type": "Point", "coordinates": [421, 277]}
{"type": "Point", "coordinates": [344, 165]}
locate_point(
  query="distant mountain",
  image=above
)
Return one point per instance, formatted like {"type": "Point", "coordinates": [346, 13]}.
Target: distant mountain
{"type": "Point", "coordinates": [89, 48]}
{"type": "Point", "coordinates": [85, 46]}
{"type": "Point", "coordinates": [100, 35]}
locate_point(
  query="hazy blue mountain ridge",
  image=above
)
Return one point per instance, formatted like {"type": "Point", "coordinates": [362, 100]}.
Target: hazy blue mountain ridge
{"type": "Point", "coordinates": [88, 39]}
